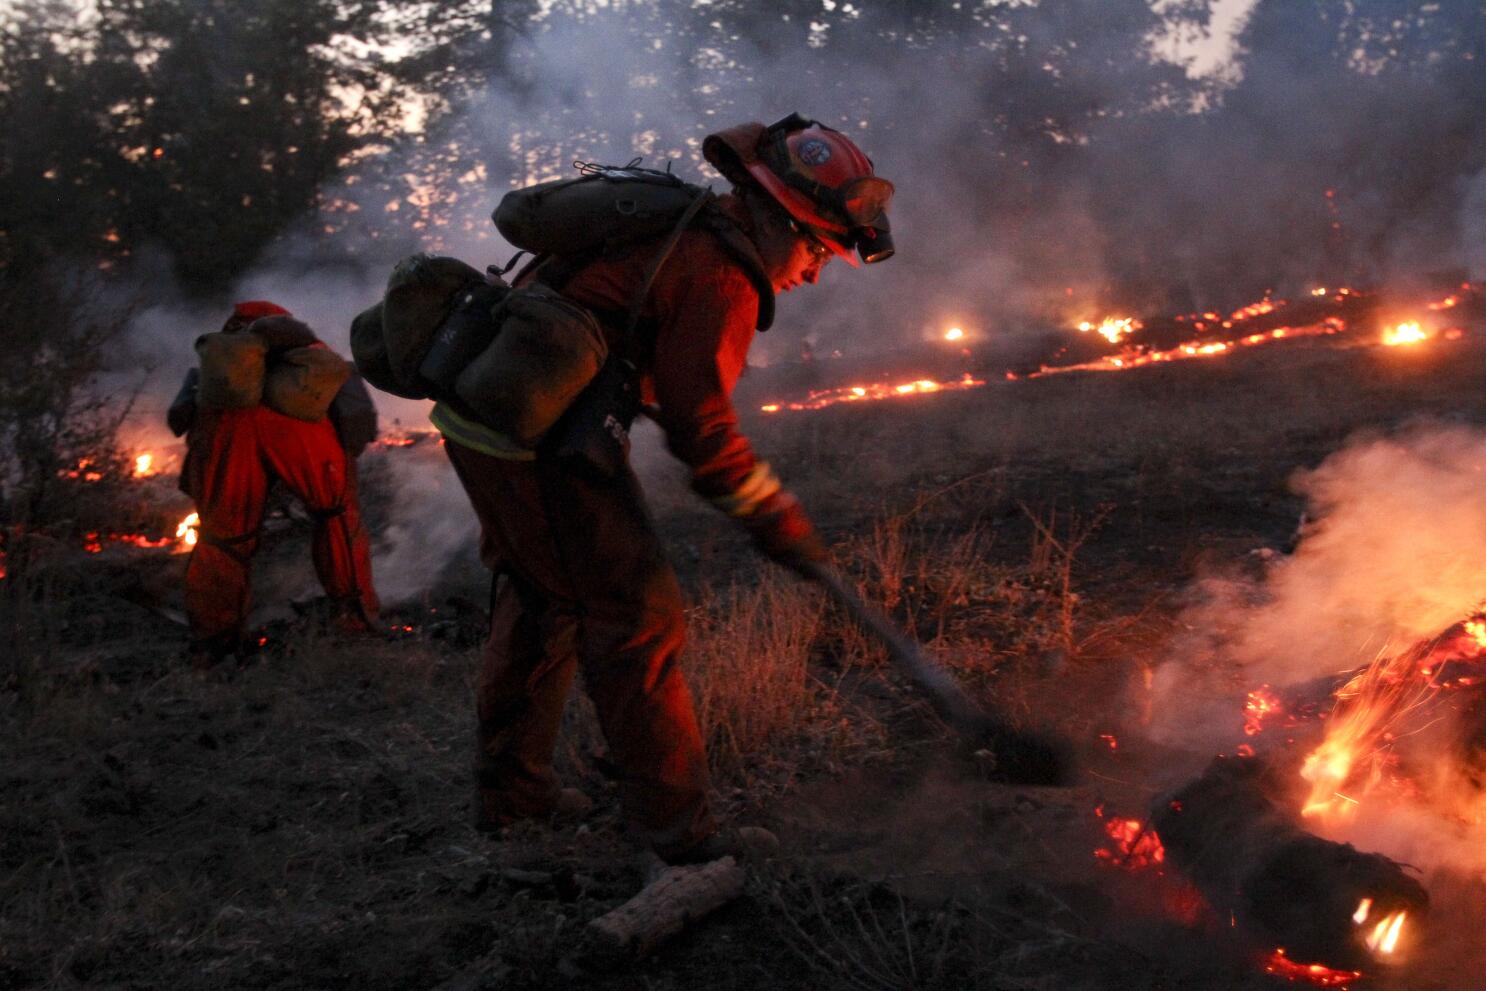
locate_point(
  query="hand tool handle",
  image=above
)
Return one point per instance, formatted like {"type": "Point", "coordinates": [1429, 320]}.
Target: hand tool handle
{"type": "Point", "coordinates": [944, 692]}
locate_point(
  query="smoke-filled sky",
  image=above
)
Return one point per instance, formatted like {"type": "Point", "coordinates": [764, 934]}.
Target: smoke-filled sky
{"type": "Point", "coordinates": [1294, 176]}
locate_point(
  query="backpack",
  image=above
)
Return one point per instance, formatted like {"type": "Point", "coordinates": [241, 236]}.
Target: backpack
{"type": "Point", "coordinates": [609, 207]}
{"type": "Point", "coordinates": [603, 208]}
{"type": "Point", "coordinates": [303, 382]}
{"type": "Point", "coordinates": [232, 370]}
{"type": "Point", "coordinates": [517, 360]}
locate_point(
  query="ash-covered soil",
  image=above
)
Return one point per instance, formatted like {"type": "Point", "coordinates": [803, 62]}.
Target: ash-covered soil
{"type": "Point", "coordinates": [301, 821]}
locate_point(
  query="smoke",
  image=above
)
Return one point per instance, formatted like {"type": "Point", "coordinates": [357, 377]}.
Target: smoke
{"type": "Point", "coordinates": [1473, 225]}
{"type": "Point", "coordinates": [1047, 158]}
{"type": "Point", "coordinates": [431, 525]}
{"type": "Point", "coordinates": [1393, 552]}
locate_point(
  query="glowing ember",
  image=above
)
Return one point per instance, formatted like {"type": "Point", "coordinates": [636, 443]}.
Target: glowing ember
{"type": "Point", "coordinates": [954, 334]}
{"type": "Point", "coordinates": [85, 470]}
{"type": "Point", "coordinates": [1312, 973]}
{"type": "Point", "coordinates": [1112, 329]}
{"type": "Point", "coordinates": [1265, 305]}
{"type": "Point", "coordinates": [1403, 334]}
{"type": "Point", "coordinates": [139, 540]}
{"type": "Point", "coordinates": [408, 438]}
{"type": "Point", "coordinates": [877, 390]}
{"type": "Point", "coordinates": [1260, 705]}
{"type": "Point", "coordinates": [185, 532]}
{"type": "Point", "coordinates": [1131, 845]}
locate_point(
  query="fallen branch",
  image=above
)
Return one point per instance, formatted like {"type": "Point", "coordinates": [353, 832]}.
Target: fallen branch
{"type": "Point", "coordinates": [1251, 858]}
{"type": "Point", "coordinates": [676, 898]}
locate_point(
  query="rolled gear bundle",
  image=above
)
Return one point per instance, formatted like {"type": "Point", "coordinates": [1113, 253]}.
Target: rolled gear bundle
{"type": "Point", "coordinates": [547, 351]}
{"type": "Point", "coordinates": [390, 340]}
{"type": "Point", "coordinates": [233, 367]}
{"type": "Point", "coordinates": [603, 207]}
{"type": "Point", "coordinates": [303, 382]}
{"type": "Point", "coordinates": [369, 352]}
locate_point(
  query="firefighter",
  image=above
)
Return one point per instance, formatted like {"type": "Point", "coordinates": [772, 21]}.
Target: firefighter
{"type": "Point", "coordinates": [234, 456]}
{"type": "Point", "coordinates": [582, 578]}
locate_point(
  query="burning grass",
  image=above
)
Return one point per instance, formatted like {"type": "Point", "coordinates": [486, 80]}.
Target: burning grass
{"type": "Point", "coordinates": [303, 823]}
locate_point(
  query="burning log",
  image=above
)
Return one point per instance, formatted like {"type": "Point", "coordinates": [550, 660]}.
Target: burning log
{"type": "Point", "coordinates": [1321, 901]}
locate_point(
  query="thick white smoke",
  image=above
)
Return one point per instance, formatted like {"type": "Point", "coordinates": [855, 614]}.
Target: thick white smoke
{"type": "Point", "coordinates": [1393, 552]}
{"type": "Point", "coordinates": [432, 523]}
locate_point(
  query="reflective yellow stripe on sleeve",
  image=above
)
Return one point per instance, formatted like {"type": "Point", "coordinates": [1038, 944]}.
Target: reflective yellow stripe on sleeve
{"type": "Point", "coordinates": [760, 484]}
{"type": "Point", "coordinates": [477, 436]}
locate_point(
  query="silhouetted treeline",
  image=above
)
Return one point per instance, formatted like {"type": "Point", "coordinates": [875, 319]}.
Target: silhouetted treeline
{"type": "Point", "coordinates": [212, 131]}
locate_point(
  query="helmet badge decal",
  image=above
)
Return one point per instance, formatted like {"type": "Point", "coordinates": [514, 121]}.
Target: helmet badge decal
{"type": "Point", "coordinates": [814, 152]}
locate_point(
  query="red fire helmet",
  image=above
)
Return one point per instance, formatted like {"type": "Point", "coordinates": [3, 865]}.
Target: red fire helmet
{"type": "Point", "coordinates": [254, 308]}
{"type": "Point", "coordinates": [820, 177]}
{"type": "Point", "coordinates": [246, 312]}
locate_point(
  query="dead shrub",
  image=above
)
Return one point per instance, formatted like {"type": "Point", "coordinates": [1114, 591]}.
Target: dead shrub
{"type": "Point", "coordinates": [867, 937]}
{"type": "Point", "coordinates": [57, 426]}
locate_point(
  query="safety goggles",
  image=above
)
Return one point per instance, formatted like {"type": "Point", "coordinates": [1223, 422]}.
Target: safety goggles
{"type": "Point", "coordinates": [861, 201]}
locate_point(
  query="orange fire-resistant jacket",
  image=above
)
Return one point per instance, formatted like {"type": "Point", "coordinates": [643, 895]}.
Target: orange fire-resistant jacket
{"type": "Point", "coordinates": [701, 314]}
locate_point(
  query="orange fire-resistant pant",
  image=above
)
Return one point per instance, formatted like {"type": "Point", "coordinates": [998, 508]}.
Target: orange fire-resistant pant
{"type": "Point", "coordinates": [233, 457]}
{"type": "Point", "coordinates": [582, 581]}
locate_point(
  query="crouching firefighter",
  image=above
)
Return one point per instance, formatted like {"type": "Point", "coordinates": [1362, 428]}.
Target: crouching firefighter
{"type": "Point", "coordinates": [670, 282]}
{"type": "Point", "coordinates": [270, 402]}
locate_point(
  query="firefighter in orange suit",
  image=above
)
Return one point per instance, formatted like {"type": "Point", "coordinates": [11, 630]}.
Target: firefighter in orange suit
{"type": "Point", "coordinates": [233, 456]}
{"type": "Point", "coordinates": [582, 577]}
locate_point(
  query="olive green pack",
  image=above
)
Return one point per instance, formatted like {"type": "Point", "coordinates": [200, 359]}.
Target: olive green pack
{"type": "Point", "coordinates": [302, 382]}
{"type": "Point", "coordinates": [232, 370]}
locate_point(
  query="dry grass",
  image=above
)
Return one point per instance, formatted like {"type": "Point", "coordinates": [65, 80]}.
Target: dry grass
{"type": "Point", "coordinates": [749, 668]}
{"type": "Point", "coordinates": [302, 825]}
{"type": "Point", "coordinates": [191, 827]}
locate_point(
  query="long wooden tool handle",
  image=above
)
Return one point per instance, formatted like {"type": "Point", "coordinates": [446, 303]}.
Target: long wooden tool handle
{"type": "Point", "coordinates": [944, 692]}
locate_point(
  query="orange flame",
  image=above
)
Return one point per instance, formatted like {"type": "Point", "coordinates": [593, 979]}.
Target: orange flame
{"type": "Point", "coordinates": [1383, 940]}
{"type": "Point", "coordinates": [954, 334]}
{"type": "Point", "coordinates": [877, 390]}
{"type": "Point", "coordinates": [1112, 329]}
{"type": "Point", "coordinates": [1404, 334]}
{"type": "Point", "coordinates": [1132, 357]}
{"type": "Point", "coordinates": [144, 465]}
{"type": "Point", "coordinates": [84, 471]}
{"type": "Point", "coordinates": [185, 533]}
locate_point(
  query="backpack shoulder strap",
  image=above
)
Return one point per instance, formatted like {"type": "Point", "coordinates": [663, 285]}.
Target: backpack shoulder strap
{"type": "Point", "coordinates": [746, 255]}
{"type": "Point", "coordinates": [637, 302]}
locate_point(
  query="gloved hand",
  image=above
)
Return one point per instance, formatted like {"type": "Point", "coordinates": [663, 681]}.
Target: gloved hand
{"type": "Point", "coordinates": [782, 531]}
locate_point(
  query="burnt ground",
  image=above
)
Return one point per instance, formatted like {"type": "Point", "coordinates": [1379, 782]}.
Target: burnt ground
{"type": "Point", "coordinates": [301, 821]}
